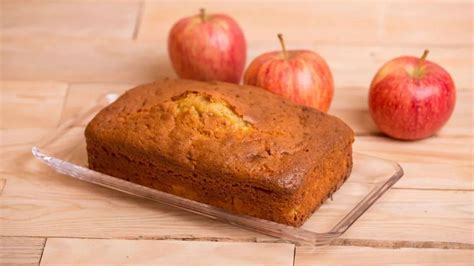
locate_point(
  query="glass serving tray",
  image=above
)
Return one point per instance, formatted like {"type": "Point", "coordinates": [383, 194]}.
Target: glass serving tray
{"type": "Point", "coordinates": [65, 151]}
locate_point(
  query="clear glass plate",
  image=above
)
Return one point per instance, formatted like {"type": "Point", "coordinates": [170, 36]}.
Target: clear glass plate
{"type": "Point", "coordinates": [64, 150]}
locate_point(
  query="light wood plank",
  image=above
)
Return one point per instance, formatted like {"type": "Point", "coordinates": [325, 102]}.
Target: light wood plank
{"type": "Point", "coordinates": [91, 60]}
{"type": "Point", "coordinates": [18, 136]}
{"type": "Point", "coordinates": [80, 93]}
{"type": "Point", "coordinates": [98, 60]}
{"type": "Point", "coordinates": [69, 18]}
{"type": "Point", "coordinates": [38, 202]}
{"type": "Point", "coordinates": [59, 206]}
{"type": "Point", "coordinates": [17, 158]}
{"type": "Point", "coordinates": [418, 215]}
{"type": "Point", "coordinates": [31, 104]}
{"type": "Point", "coordinates": [2, 185]}
{"type": "Point", "coordinates": [371, 22]}
{"type": "Point", "coordinates": [436, 176]}
{"type": "Point", "coordinates": [449, 150]}
{"type": "Point", "coordinates": [155, 252]}
{"type": "Point", "coordinates": [337, 255]}
{"type": "Point", "coordinates": [21, 250]}
{"type": "Point", "coordinates": [51, 205]}
{"type": "Point", "coordinates": [16, 147]}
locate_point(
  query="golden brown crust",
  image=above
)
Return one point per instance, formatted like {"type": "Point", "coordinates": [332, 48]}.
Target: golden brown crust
{"type": "Point", "coordinates": [236, 147]}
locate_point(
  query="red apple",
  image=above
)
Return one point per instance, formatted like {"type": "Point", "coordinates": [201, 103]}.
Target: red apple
{"type": "Point", "coordinates": [207, 47]}
{"type": "Point", "coordinates": [300, 75]}
{"type": "Point", "coordinates": [411, 98]}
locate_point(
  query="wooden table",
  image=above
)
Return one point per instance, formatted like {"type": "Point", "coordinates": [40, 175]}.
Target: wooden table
{"type": "Point", "coordinates": [57, 56]}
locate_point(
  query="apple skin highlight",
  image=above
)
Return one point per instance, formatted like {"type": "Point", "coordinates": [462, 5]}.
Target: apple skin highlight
{"type": "Point", "coordinates": [299, 75]}
{"type": "Point", "coordinates": [208, 47]}
{"type": "Point", "coordinates": [411, 98]}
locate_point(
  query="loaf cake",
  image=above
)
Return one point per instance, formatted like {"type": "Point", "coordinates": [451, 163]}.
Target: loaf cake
{"type": "Point", "coordinates": [240, 148]}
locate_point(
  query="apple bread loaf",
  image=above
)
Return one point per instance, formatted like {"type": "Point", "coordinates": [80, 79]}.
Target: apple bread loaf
{"type": "Point", "coordinates": [240, 148]}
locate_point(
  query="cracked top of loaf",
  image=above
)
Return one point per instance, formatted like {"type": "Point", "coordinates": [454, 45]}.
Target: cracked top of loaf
{"type": "Point", "coordinates": [221, 129]}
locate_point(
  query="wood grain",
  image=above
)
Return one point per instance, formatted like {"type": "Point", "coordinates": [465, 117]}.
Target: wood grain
{"type": "Point", "coordinates": [60, 206]}
{"type": "Point", "coordinates": [18, 136]}
{"type": "Point", "coordinates": [2, 185]}
{"type": "Point", "coordinates": [418, 215]}
{"type": "Point", "coordinates": [457, 151]}
{"type": "Point", "coordinates": [16, 149]}
{"type": "Point", "coordinates": [379, 22]}
{"type": "Point", "coordinates": [436, 176]}
{"type": "Point", "coordinates": [336, 255]}
{"type": "Point", "coordinates": [91, 60]}
{"type": "Point", "coordinates": [105, 60]}
{"type": "Point", "coordinates": [69, 19]}
{"type": "Point", "coordinates": [51, 205]}
{"type": "Point", "coordinates": [155, 252]}
{"type": "Point", "coordinates": [21, 250]}
{"type": "Point", "coordinates": [80, 93]}
{"type": "Point", "coordinates": [57, 56]}
{"type": "Point", "coordinates": [31, 104]}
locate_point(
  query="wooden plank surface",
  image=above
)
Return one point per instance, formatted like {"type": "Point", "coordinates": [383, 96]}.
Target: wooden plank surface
{"type": "Point", "coordinates": [31, 104]}
{"type": "Point", "coordinates": [2, 185]}
{"type": "Point", "coordinates": [57, 56]}
{"type": "Point", "coordinates": [412, 214]}
{"type": "Point", "coordinates": [16, 150]}
{"type": "Point", "coordinates": [380, 22]}
{"type": "Point", "coordinates": [18, 136]}
{"type": "Point", "coordinates": [447, 150]}
{"type": "Point", "coordinates": [106, 60]}
{"type": "Point", "coordinates": [436, 176]}
{"type": "Point", "coordinates": [80, 93]}
{"type": "Point", "coordinates": [21, 250]}
{"type": "Point", "coordinates": [133, 252]}
{"type": "Point", "coordinates": [69, 18]}
{"type": "Point", "coordinates": [52, 205]}
{"type": "Point", "coordinates": [92, 60]}
{"type": "Point", "coordinates": [337, 255]}
{"type": "Point", "coordinates": [92, 211]}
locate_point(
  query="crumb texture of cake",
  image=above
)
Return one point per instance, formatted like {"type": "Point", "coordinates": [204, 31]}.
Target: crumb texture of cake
{"type": "Point", "coordinates": [240, 148]}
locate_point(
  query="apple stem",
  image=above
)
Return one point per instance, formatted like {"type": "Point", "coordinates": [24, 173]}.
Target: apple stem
{"type": "Point", "coordinates": [418, 71]}
{"type": "Point", "coordinates": [425, 54]}
{"type": "Point", "coordinates": [282, 43]}
{"type": "Point", "coordinates": [202, 14]}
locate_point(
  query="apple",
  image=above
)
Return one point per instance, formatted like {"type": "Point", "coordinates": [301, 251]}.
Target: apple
{"type": "Point", "coordinates": [207, 47]}
{"type": "Point", "coordinates": [411, 98]}
{"type": "Point", "coordinates": [299, 75]}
